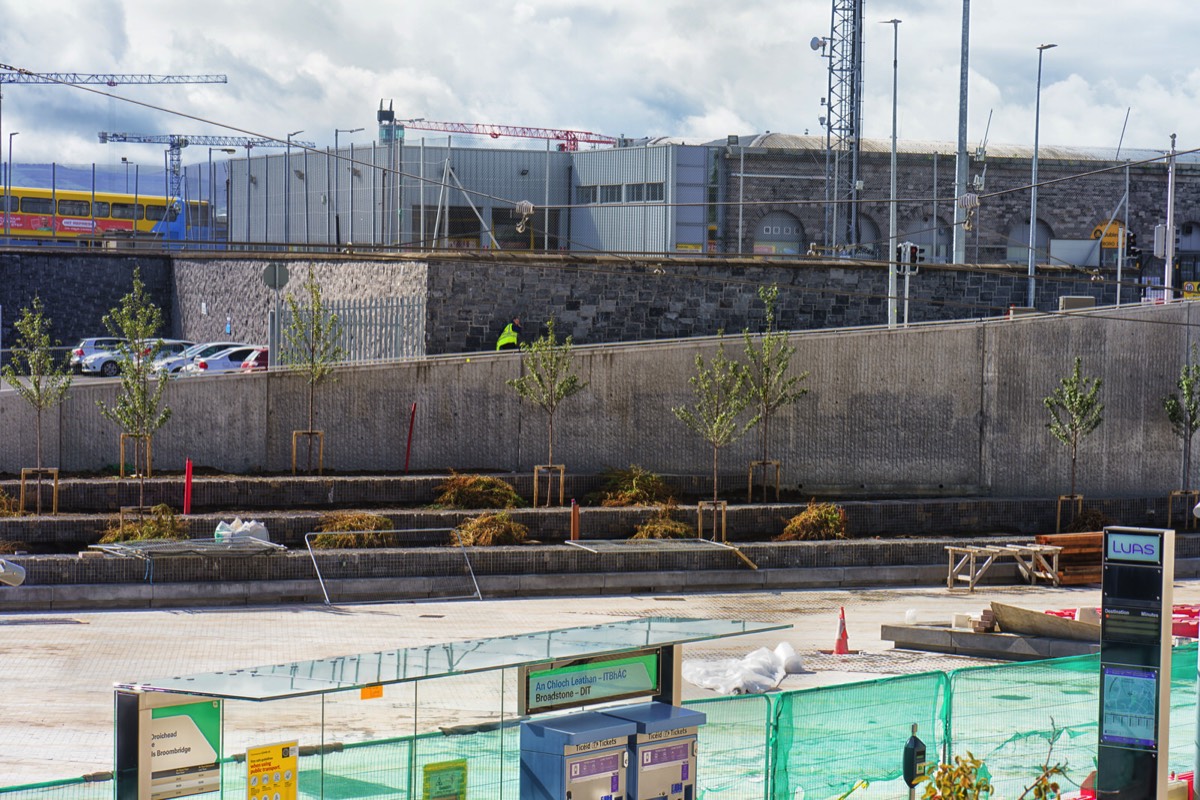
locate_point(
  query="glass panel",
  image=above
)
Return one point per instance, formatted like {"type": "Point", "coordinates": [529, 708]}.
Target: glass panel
{"type": "Point", "coordinates": [74, 208]}
{"type": "Point", "coordinates": [154, 212]}
{"type": "Point", "coordinates": [37, 205]}
{"type": "Point", "coordinates": [610, 194]}
{"type": "Point", "coordinates": [452, 658]}
{"type": "Point", "coordinates": [101, 208]}
{"type": "Point", "coordinates": [127, 211]}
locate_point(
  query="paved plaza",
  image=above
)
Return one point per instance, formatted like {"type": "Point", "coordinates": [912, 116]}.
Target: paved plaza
{"type": "Point", "coordinates": [59, 668]}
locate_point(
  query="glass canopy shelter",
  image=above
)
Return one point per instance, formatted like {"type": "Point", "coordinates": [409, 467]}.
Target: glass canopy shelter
{"type": "Point", "coordinates": [398, 705]}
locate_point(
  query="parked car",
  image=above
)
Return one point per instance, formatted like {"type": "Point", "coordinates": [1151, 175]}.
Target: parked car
{"type": "Point", "coordinates": [107, 362]}
{"type": "Point", "coordinates": [173, 363]}
{"type": "Point", "coordinates": [256, 361]}
{"type": "Point", "coordinates": [89, 347]}
{"type": "Point", "coordinates": [227, 360]}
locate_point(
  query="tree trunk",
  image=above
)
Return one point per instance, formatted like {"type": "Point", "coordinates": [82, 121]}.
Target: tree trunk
{"type": "Point", "coordinates": [550, 458]}
{"type": "Point", "coordinates": [312, 398]}
{"type": "Point", "coordinates": [39, 461]}
{"type": "Point", "coordinates": [1074, 451]}
{"type": "Point", "coordinates": [714, 473]}
{"type": "Point", "coordinates": [1187, 459]}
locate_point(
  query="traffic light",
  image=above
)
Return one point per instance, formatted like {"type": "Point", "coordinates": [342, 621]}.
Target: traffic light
{"type": "Point", "coordinates": [1133, 253]}
{"type": "Point", "coordinates": [914, 253]}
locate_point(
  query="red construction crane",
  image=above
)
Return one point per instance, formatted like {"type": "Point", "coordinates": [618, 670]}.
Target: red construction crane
{"type": "Point", "coordinates": [570, 139]}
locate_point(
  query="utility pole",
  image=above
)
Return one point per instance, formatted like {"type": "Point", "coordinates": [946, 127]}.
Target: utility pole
{"type": "Point", "coordinates": [961, 162]}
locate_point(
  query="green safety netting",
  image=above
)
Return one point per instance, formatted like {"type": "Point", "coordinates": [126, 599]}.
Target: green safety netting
{"type": "Point", "coordinates": [809, 744]}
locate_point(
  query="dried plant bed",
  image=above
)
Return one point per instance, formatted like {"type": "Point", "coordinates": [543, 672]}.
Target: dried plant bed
{"type": "Point", "coordinates": [161, 524]}
{"type": "Point", "coordinates": [476, 491]}
{"type": "Point", "coordinates": [818, 522]}
{"type": "Point", "coordinates": [490, 530]}
{"type": "Point", "coordinates": [351, 529]}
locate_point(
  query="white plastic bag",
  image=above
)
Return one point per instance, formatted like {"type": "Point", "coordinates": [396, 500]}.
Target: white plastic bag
{"type": "Point", "coordinates": [233, 531]}
{"type": "Point", "coordinates": [758, 672]}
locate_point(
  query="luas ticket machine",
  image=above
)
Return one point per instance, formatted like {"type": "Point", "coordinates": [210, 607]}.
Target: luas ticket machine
{"type": "Point", "coordinates": [664, 750]}
{"type": "Point", "coordinates": [582, 756]}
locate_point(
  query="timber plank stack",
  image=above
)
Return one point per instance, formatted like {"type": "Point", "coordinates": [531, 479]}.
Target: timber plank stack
{"type": "Point", "coordinates": [1081, 557]}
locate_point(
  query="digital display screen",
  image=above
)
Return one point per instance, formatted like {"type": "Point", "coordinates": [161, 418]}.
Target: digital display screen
{"type": "Point", "coordinates": [590, 767]}
{"type": "Point", "coordinates": [1130, 706]}
{"type": "Point", "coordinates": [1135, 625]}
{"type": "Point", "coordinates": [1127, 582]}
{"type": "Point", "coordinates": [662, 756]}
{"type": "Point", "coordinates": [1144, 548]}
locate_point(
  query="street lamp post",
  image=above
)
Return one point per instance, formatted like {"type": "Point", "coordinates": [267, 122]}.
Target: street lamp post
{"type": "Point", "coordinates": [891, 290]}
{"type": "Point", "coordinates": [1033, 192]}
{"type": "Point", "coordinates": [125, 161]}
{"type": "Point", "coordinates": [287, 191]}
{"type": "Point", "coordinates": [8, 191]}
{"type": "Point", "coordinates": [212, 198]}
{"type": "Point", "coordinates": [337, 221]}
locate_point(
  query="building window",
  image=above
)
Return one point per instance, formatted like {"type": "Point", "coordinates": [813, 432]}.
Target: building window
{"type": "Point", "coordinates": [635, 193]}
{"type": "Point", "coordinates": [610, 193]}
{"type": "Point", "coordinates": [654, 192]}
{"type": "Point", "coordinates": [585, 195]}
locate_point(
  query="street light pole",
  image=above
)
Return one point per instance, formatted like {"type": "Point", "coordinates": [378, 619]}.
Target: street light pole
{"type": "Point", "coordinates": [891, 290]}
{"type": "Point", "coordinates": [287, 192]}
{"type": "Point", "coordinates": [1033, 192]}
{"type": "Point", "coordinates": [8, 191]}
{"type": "Point", "coordinates": [337, 221]}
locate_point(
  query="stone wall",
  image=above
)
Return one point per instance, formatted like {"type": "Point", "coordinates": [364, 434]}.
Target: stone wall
{"type": "Point", "coordinates": [77, 291]}
{"type": "Point", "coordinates": [596, 300]}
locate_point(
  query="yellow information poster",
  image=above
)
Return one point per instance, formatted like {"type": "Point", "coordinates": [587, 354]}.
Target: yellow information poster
{"type": "Point", "coordinates": [445, 780]}
{"type": "Point", "coordinates": [271, 771]}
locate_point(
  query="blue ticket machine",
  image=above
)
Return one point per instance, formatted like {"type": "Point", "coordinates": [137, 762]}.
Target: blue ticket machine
{"type": "Point", "coordinates": [581, 756]}
{"type": "Point", "coordinates": [664, 750]}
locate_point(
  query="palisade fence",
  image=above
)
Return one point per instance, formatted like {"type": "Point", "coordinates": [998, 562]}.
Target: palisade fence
{"type": "Point", "coordinates": [809, 744]}
{"type": "Point", "coordinates": [371, 329]}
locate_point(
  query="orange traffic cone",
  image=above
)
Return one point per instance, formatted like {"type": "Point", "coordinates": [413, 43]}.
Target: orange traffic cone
{"type": "Point", "coordinates": [842, 646]}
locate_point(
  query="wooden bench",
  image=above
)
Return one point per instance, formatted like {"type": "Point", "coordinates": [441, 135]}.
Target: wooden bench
{"type": "Point", "coordinates": [1081, 557]}
{"type": "Point", "coordinates": [1033, 560]}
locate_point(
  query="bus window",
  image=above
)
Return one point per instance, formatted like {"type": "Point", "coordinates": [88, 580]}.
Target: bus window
{"type": "Point", "coordinates": [198, 214]}
{"type": "Point", "coordinates": [159, 212]}
{"type": "Point", "coordinates": [101, 208]}
{"type": "Point", "coordinates": [37, 205]}
{"type": "Point", "coordinates": [74, 208]}
{"type": "Point", "coordinates": [127, 211]}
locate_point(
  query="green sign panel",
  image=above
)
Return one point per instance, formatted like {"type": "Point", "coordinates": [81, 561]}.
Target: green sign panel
{"type": "Point", "coordinates": [591, 681]}
{"type": "Point", "coordinates": [185, 747]}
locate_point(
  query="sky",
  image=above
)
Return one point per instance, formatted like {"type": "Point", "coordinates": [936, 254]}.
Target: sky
{"type": "Point", "coordinates": [697, 69]}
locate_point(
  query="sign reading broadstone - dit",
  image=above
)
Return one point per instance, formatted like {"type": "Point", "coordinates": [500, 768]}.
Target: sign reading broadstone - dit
{"type": "Point", "coordinates": [275, 276]}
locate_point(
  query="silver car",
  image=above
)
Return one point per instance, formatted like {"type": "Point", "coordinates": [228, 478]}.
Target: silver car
{"type": "Point", "coordinates": [173, 363]}
{"type": "Point", "coordinates": [89, 347]}
{"type": "Point", "coordinates": [227, 360]}
{"type": "Point", "coordinates": [107, 363]}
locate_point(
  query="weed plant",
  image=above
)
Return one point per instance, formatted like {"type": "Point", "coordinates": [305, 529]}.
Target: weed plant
{"type": "Point", "coordinates": [489, 530]}
{"type": "Point", "coordinates": [662, 524]}
{"type": "Point", "coordinates": [476, 491]}
{"type": "Point", "coordinates": [8, 547]}
{"type": "Point", "coordinates": [635, 486]}
{"type": "Point", "coordinates": [336, 529]}
{"type": "Point", "coordinates": [817, 523]}
{"type": "Point", "coordinates": [8, 505]}
{"type": "Point", "coordinates": [161, 524]}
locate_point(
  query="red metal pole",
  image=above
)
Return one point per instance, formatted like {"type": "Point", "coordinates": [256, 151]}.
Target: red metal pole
{"type": "Point", "coordinates": [412, 417]}
{"type": "Point", "coordinates": [187, 487]}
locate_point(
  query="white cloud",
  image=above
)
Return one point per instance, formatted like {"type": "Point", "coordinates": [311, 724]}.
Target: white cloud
{"type": "Point", "coordinates": [693, 68]}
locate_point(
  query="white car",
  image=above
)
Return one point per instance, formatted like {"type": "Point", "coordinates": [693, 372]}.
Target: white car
{"type": "Point", "coordinates": [175, 362]}
{"type": "Point", "coordinates": [227, 360]}
{"type": "Point", "coordinates": [108, 364]}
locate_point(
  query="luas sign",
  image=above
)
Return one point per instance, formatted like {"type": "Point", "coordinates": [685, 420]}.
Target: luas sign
{"type": "Point", "coordinates": [1134, 547]}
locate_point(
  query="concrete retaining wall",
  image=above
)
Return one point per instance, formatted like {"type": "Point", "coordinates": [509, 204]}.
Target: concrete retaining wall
{"type": "Point", "coordinates": [947, 408]}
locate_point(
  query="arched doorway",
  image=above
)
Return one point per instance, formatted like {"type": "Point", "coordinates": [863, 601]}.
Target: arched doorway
{"type": "Point", "coordinates": [933, 235]}
{"type": "Point", "coordinates": [871, 244]}
{"type": "Point", "coordinates": [779, 233]}
{"type": "Point", "coordinates": [1017, 242]}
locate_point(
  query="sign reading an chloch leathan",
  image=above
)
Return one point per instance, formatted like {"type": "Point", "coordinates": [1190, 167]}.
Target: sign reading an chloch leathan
{"type": "Point", "coordinates": [591, 681]}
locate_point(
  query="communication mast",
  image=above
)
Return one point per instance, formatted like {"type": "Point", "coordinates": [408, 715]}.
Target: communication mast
{"type": "Point", "coordinates": [843, 121]}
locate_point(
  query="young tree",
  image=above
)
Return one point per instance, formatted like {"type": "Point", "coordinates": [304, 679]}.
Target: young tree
{"type": "Point", "coordinates": [139, 409]}
{"type": "Point", "coordinates": [767, 365]}
{"type": "Point", "coordinates": [48, 378]}
{"type": "Point", "coordinates": [721, 397]}
{"type": "Point", "coordinates": [1183, 411]}
{"type": "Point", "coordinates": [312, 342]}
{"type": "Point", "coordinates": [549, 378]}
{"type": "Point", "coordinates": [1075, 411]}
